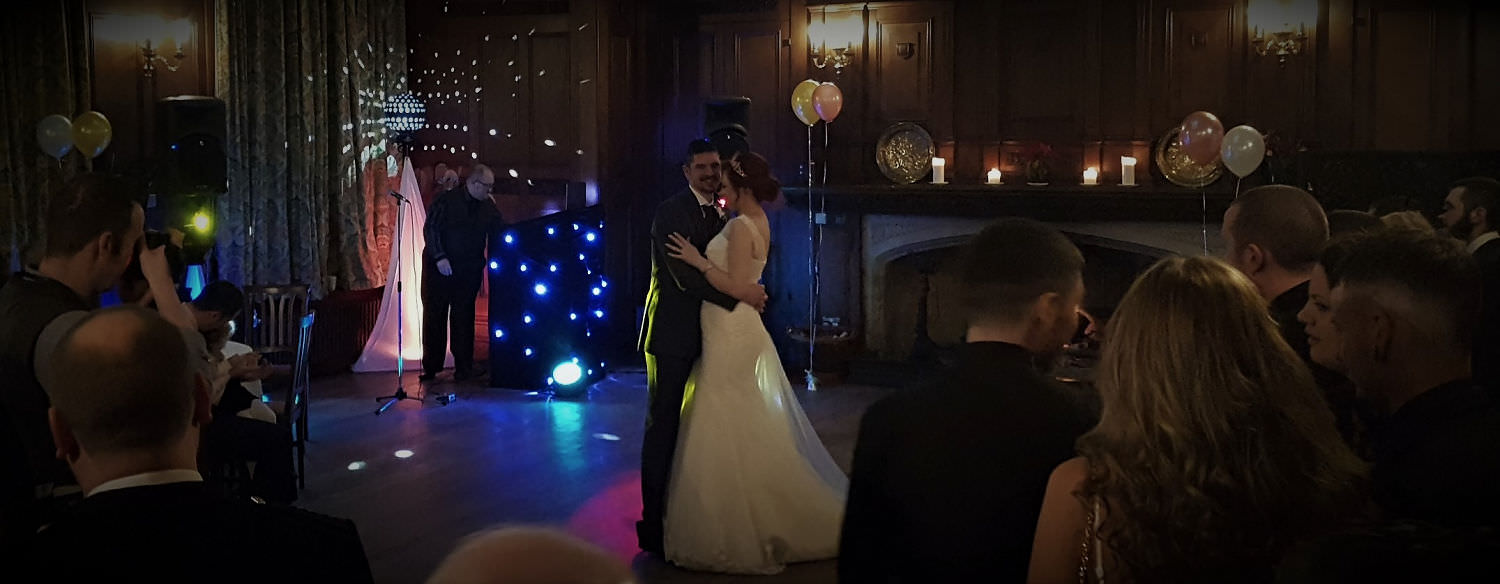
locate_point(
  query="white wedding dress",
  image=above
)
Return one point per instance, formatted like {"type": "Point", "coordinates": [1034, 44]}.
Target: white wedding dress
{"type": "Point", "coordinates": [752, 487]}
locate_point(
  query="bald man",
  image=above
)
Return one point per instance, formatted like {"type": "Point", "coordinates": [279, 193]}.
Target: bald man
{"type": "Point", "coordinates": [127, 410]}
{"type": "Point", "coordinates": [529, 555]}
{"type": "Point", "coordinates": [460, 226]}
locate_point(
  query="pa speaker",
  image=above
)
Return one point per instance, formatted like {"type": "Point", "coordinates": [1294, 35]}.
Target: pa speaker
{"type": "Point", "coordinates": [190, 133]}
{"type": "Point", "coordinates": [726, 123]}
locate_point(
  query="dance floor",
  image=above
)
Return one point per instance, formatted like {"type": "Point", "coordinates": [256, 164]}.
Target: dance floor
{"type": "Point", "coordinates": [498, 457]}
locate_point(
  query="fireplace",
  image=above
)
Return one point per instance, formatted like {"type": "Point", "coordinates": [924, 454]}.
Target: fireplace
{"type": "Point", "coordinates": [886, 255]}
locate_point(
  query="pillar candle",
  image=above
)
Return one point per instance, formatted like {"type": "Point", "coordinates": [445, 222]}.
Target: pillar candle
{"type": "Point", "coordinates": [1127, 171]}
{"type": "Point", "coordinates": [937, 171]}
{"type": "Point", "coordinates": [993, 177]}
{"type": "Point", "coordinates": [1090, 176]}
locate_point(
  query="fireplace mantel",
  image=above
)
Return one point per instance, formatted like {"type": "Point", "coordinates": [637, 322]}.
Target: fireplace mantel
{"type": "Point", "coordinates": [1060, 203]}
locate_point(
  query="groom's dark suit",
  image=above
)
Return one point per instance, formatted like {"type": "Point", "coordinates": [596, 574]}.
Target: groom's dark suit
{"type": "Point", "coordinates": [672, 340]}
{"type": "Point", "coordinates": [948, 480]}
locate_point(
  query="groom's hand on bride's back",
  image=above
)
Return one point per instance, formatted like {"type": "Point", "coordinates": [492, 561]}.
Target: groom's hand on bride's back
{"type": "Point", "coordinates": [755, 296]}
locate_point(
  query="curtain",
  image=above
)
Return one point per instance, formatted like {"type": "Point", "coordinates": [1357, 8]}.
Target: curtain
{"type": "Point", "coordinates": [44, 70]}
{"type": "Point", "coordinates": [306, 85]}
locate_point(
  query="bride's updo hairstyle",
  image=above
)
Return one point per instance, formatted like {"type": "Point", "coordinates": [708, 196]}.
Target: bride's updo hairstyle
{"type": "Point", "coordinates": [750, 170]}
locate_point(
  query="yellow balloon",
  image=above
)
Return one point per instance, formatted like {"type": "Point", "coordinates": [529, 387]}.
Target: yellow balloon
{"type": "Point", "coordinates": [802, 102]}
{"type": "Point", "coordinates": [91, 133]}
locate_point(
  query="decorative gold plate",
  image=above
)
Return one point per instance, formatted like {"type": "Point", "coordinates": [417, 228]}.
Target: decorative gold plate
{"type": "Point", "coordinates": [904, 153]}
{"type": "Point", "coordinates": [1181, 170]}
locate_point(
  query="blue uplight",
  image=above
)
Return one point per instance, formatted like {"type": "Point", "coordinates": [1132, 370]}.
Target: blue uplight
{"type": "Point", "coordinates": [541, 289]}
{"type": "Point", "coordinates": [567, 373]}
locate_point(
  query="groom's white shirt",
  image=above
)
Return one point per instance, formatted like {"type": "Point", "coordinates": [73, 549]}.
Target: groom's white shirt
{"type": "Point", "coordinates": [707, 200]}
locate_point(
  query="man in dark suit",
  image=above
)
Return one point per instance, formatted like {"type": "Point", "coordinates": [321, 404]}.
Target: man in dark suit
{"type": "Point", "coordinates": [1406, 307]}
{"type": "Point", "coordinates": [948, 480]}
{"type": "Point", "coordinates": [670, 334]}
{"type": "Point", "coordinates": [132, 441]}
{"type": "Point", "coordinates": [1466, 213]}
{"type": "Point", "coordinates": [460, 224]}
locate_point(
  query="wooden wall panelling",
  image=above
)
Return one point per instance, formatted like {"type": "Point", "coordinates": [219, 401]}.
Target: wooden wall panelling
{"type": "Point", "coordinates": [1402, 41]}
{"type": "Point", "coordinates": [976, 109]}
{"type": "Point", "coordinates": [1046, 79]}
{"type": "Point", "coordinates": [750, 61]}
{"type": "Point", "coordinates": [1334, 90]}
{"type": "Point", "coordinates": [1280, 98]}
{"type": "Point", "coordinates": [1202, 52]}
{"type": "Point", "coordinates": [1485, 73]}
{"type": "Point", "coordinates": [552, 101]}
{"type": "Point", "coordinates": [120, 90]}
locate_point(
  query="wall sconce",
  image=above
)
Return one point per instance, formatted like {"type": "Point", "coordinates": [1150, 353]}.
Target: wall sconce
{"type": "Point", "coordinates": [1278, 27]}
{"type": "Point", "coordinates": [1282, 43]}
{"type": "Point", "coordinates": [831, 42]}
{"type": "Point", "coordinates": [150, 34]}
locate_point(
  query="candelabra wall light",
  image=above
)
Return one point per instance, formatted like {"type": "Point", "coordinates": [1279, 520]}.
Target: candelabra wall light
{"type": "Point", "coordinates": [832, 37]}
{"type": "Point", "coordinates": [1278, 28]}
{"type": "Point", "coordinates": [162, 43]}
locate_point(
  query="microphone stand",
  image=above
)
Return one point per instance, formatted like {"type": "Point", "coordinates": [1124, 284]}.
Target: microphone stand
{"type": "Point", "coordinates": [390, 400]}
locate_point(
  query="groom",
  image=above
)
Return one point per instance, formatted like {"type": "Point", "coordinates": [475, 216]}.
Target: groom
{"type": "Point", "coordinates": [670, 334]}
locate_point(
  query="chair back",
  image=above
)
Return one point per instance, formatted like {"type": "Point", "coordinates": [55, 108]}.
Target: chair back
{"type": "Point", "coordinates": [294, 409]}
{"type": "Point", "coordinates": [272, 317]}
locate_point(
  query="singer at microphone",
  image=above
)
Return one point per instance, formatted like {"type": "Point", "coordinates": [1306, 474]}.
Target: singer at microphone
{"type": "Point", "coordinates": [459, 225]}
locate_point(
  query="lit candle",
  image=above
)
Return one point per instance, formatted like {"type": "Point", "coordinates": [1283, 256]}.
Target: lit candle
{"type": "Point", "coordinates": [1090, 176]}
{"type": "Point", "coordinates": [993, 177]}
{"type": "Point", "coordinates": [937, 171]}
{"type": "Point", "coordinates": [1127, 171]}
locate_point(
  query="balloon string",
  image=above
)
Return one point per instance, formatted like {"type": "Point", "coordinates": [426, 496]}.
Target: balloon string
{"type": "Point", "coordinates": [1204, 197]}
{"type": "Point", "coordinates": [1237, 180]}
{"type": "Point", "coordinates": [812, 267]}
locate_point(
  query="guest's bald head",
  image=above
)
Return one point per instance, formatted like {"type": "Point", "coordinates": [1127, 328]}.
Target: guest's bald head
{"type": "Point", "coordinates": [1284, 222]}
{"type": "Point", "coordinates": [121, 381]}
{"type": "Point", "coordinates": [527, 555]}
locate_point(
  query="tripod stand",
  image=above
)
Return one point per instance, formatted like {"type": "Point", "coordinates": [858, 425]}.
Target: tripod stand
{"type": "Point", "coordinates": [390, 400]}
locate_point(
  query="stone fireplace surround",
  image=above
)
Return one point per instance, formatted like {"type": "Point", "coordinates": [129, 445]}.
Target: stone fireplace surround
{"type": "Point", "coordinates": [875, 226]}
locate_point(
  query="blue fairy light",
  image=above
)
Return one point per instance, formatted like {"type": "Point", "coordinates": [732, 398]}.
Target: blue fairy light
{"type": "Point", "coordinates": [598, 314]}
{"type": "Point", "coordinates": [541, 289]}
{"type": "Point", "coordinates": [526, 319]}
{"type": "Point", "coordinates": [510, 239]}
{"type": "Point", "coordinates": [597, 291]}
{"type": "Point", "coordinates": [551, 231]}
{"type": "Point", "coordinates": [590, 236]}
{"type": "Point", "coordinates": [572, 316]}
{"type": "Point", "coordinates": [552, 267]}
{"type": "Point", "coordinates": [499, 334]}
{"type": "Point", "coordinates": [527, 351]}
{"type": "Point", "coordinates": [523, 267]}
{"type": "Point", "coordinates": [494, 265]}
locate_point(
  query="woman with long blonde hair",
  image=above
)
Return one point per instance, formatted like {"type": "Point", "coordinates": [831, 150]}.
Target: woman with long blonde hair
{"type": "Point", "coordinates": [1214, 451]}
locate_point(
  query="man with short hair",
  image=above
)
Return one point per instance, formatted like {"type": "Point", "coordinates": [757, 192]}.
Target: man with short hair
{"type": "Point", "coordinates": [93, 229]}
{"type": "Point", "coordinates": [1466, 214]}
{"type": "Point", "coordinates": [671, 336]}
{"type": "Point", "coordinates": [948, 481]}
{"type": "Point", "coordinates": [1406, 306]}
{"type": "Point", "coordinates": [1273, 234]}
{"type": "Point", "coordinates": [459, 227]}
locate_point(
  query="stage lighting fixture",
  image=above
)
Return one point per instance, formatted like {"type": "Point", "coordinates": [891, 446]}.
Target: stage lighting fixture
{"type": "Point", "coordinates": [567, 373]}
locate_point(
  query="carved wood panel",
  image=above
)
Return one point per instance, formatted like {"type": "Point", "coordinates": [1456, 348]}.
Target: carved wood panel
{"type": "Point", "coordinates": [1202, 62]}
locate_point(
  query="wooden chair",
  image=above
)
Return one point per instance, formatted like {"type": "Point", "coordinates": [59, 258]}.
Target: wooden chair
{"type": "Point", "coordinates": [294, 408]}
{"type": "Point", "coordinates": [271, 319]}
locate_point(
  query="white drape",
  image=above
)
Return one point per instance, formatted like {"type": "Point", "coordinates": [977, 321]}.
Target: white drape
{"type": "Point", "coordinates": [380, 349]}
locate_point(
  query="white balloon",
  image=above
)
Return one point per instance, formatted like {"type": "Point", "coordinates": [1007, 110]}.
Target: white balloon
{"type": "Point", "coordinates": [1242, 150]}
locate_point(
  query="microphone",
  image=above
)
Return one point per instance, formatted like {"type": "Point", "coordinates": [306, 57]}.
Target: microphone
{"type": "Point", "coordinates": [399, 196]}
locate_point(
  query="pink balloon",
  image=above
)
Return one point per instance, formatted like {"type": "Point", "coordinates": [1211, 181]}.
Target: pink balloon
{"type": "Point", "coordinates": [1201, 136]}
{"type": "Point", "coordinates": [828, 101]}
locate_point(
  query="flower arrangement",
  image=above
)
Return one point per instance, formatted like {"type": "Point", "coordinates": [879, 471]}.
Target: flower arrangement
{"type": "Point", "coordinates": [1036, 156]}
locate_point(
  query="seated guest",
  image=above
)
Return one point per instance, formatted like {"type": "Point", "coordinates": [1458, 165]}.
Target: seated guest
{"type": "Point", "coordinates": [1214, 452]}
{"type": "Point", "coordinates": [1466, 215]}
{"type": "Point", "coordinates": [1407, 220]}
{"type": "Point", "coordinates": [528, 555]}
{"type": "Point", "coordinates": [132, 443]}
{"type": "Point", "coordinates": [947, 481]}
{"type": "Point", "coordinates": [268, 445]}
{"type": "Point", "coordinates": [1324, 344]}
{"type": "Point", "coordinates": [93, 228]}
{"type": "Point", "coordinates": [1341, 221]}
{"type": "Point", "coordinates": [1406, 305]}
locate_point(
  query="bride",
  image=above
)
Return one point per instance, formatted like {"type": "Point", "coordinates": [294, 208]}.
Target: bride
{"type": "Point", "coordinates": [752, 488]}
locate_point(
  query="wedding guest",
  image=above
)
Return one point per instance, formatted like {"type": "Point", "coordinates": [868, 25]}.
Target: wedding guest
{"type": "Point", "coordinates": [1407, 220]}
{"type": "Point", "coordinates": [133, 443]}
{"type": "Point", "coordinates": [1466, 215]}
{"type": "Point", "coordinates": [1406, 305]}
{"type": "Point", "coordinates": [947, 481]}
{"type": "Point", "coordinates": [1214, 452]}
{"type": "Point", "coordinates": [529, 555]}
{"type": "Point", "coordinates": [1341, 221]}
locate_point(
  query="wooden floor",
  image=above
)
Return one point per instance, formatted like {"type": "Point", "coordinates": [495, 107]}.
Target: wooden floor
{"type": "Point", "coordinates": [497, 457]}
